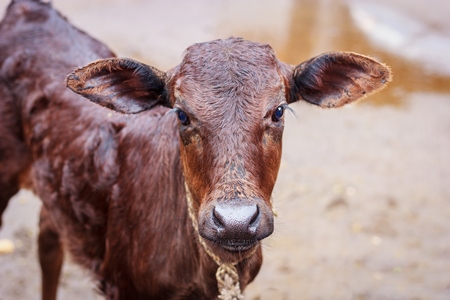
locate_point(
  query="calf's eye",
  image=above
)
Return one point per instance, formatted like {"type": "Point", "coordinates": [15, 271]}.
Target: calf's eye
{"type": "Point", "coordinates": [184, 119]}
{"type": "Point", "coordinates": [278, 114]}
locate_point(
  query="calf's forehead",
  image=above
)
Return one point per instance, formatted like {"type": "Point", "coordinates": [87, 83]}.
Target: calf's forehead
{"type": "Point", "coordinates": [227, 70]}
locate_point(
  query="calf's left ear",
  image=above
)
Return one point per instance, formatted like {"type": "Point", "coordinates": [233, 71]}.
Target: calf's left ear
{"type": "Point", "coordinates": [337, 78]}
{"type": "Point", "coordinates": [121, 84]}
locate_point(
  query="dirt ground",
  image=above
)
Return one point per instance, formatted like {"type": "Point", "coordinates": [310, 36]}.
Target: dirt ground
{"type": "Point", "coordinates": [363, 193]}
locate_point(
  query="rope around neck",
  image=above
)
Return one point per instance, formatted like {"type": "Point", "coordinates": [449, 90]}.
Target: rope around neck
{"type": "Point", "coordinates": [227, 275]}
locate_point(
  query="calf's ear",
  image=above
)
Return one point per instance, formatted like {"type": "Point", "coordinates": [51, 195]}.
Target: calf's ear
{"type": "Point", "coordinates": [337, 78]}
{"type": "Point", "coordinates": [124, 85]}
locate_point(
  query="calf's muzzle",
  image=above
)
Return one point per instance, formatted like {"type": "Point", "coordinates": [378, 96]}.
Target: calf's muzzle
{"type": "Point", "coordinates": [236, 225]}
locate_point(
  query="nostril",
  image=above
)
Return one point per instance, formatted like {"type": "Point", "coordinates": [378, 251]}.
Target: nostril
{"type": "Point", "coordinates": [255, 217]}
{"type": "Point", "coordinates": [254, 221]}
{"type": "Point", "coordinates": [217, 218]}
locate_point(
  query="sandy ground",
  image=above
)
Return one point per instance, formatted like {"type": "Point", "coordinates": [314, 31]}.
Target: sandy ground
{"type": "Point", "coordinates": [363, 192]}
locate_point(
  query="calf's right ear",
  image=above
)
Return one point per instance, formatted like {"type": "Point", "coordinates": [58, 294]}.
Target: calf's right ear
{"type": "Point", "coordinates": [121, 84]}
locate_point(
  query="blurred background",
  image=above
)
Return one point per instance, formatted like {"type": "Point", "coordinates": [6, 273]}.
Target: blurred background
{"type": "Point", "coordinates": [363, 193]}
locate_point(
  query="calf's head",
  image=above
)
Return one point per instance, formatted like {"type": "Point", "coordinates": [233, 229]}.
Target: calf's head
{"type": "Point", "coordinates": [230, 97]}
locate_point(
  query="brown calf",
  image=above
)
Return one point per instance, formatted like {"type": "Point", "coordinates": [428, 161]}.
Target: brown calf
{"type": "Point", "coordinates": [114, 186]}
